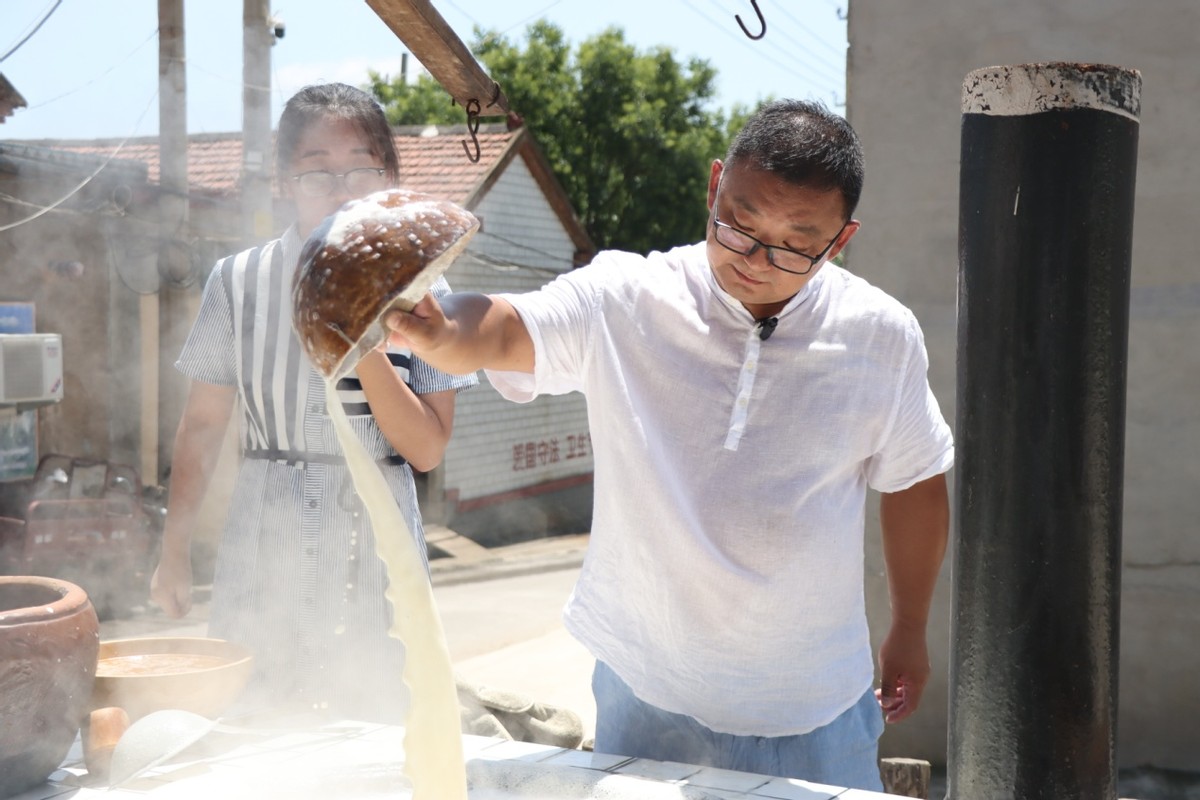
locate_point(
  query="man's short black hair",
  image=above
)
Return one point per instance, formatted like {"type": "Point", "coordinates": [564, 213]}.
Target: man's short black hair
{"type": "Point", "coordinates": [804, 143]}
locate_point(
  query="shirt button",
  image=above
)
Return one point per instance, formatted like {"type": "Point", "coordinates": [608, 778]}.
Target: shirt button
{"type": "Point", "coordinates": [742, 403]}
{"type": "Point", "coordinates": [750, 365]}
{"type": "Point", "coordinates": [311, 504]}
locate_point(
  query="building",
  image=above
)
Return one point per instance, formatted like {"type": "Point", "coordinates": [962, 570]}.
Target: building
{"type": "Point", "coordinates": [10, 99]}
{"type": "Point", "coordinates": [77, 249]}
{"type": "Point", "coordinates": [511, 471]}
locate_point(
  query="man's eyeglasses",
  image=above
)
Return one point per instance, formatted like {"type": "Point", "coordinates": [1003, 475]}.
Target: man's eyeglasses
{"type": "Point", "coordinates": [782, 258]}
{"type": "Point", "coordinates": [320, 183]}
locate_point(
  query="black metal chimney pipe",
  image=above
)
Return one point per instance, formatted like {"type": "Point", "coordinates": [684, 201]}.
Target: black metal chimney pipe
{"type": "Point", "coordinates": [1049, 154]}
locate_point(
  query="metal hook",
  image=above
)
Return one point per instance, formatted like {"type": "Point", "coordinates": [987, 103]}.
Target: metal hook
{"type": "Point", "coordinates": [495, 94]}
{"type": "Point", "coordinates": [473, 129]}
{"type": "Point", "coordinates": [761, 21]}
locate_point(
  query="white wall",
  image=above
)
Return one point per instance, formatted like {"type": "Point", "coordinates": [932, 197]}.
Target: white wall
{"type": "Point", "coordinates": [906, 65]}
{"type": "Point", "coordinates": [522, 245]}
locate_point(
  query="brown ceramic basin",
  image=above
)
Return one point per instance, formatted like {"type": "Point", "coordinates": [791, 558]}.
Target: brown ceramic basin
{"type": "Point", "coordinates": [48, 640]}
{"type": "Point", "coordinates": [200, 675]}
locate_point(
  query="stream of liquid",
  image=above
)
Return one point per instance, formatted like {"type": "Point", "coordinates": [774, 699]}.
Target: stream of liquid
{"type": "Point", "coordinates": [433, 754]}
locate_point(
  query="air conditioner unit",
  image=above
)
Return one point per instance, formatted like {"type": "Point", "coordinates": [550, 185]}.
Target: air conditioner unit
{"type": "Point", "coordinates": [31, 369]}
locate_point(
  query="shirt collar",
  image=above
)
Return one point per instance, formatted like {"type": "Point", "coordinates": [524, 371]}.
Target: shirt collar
{"type": "Point", "coordinates": [733, 303]}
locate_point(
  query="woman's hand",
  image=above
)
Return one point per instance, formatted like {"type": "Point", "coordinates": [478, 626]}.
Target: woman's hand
{"type": "Point", "coordinates": [171, 584]}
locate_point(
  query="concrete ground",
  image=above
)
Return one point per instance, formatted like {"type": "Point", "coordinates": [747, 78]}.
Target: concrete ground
{"type": "Point", "coordinates": [501, 615]}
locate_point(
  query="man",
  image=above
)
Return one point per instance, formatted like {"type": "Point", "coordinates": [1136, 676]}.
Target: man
{"type": "Point", "coordinates": [743, 393]}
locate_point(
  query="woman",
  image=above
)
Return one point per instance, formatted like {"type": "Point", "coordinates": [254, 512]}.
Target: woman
{"type": "Point", "coordinates": [297, 579]}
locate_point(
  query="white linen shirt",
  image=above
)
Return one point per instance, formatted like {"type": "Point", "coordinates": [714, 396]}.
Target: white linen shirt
{"type": "Point", "coordinates": [724, 575]}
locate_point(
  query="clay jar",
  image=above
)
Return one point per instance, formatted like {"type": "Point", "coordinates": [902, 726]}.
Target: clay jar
{"type": "Point", "coordinates": [49, 639]}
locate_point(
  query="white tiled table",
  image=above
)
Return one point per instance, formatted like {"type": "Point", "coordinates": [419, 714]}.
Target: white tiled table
{"type": "Point", "coordinates": [357, 761]}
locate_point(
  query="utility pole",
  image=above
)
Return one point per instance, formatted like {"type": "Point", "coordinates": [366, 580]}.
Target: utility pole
{"type": "Point", "coordinates": [1049, 155]}
{"type": "Point", "coordinates": [174, 259]}
{"type": "Point", "coordinates": [257, 38]}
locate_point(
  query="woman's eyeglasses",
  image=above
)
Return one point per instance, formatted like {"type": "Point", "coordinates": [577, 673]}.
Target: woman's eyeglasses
{"type": "Point", "coordinates": [320, 183]}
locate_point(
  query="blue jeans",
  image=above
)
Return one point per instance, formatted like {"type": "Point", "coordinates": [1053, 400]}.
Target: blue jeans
{"type": "Point", "coordinates": [843, 753]}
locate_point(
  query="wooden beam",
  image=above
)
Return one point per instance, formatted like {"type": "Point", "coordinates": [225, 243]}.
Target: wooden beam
{"type": "Point", "coordinates": [438, 48]}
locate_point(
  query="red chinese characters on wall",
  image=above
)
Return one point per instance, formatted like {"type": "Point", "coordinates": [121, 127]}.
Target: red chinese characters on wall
{"type": "Point", "coordinates": [531, 455]}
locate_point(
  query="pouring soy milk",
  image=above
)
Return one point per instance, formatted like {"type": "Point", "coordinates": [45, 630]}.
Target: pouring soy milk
{"type": "Point", "coordinates": [374, 254]}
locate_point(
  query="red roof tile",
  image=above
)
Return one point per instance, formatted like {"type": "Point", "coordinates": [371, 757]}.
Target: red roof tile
{"type": "Point", "coordinates": [431, 159]}
{"type": "Point", "coordinates": [438, 164]}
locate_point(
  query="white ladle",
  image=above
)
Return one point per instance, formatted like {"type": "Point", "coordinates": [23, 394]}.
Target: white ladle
{"type": "Point", "coordinates": [157, 737]}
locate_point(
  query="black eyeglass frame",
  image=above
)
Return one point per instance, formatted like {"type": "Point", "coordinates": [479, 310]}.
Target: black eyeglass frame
{"type": "Point", "coordinates": [334, 178]}
{"type": "Point", "coordinates": [771, 248]}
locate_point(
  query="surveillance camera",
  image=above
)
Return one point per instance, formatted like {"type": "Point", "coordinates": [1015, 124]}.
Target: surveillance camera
{"type": "Point", "coordinates": [277, 26]}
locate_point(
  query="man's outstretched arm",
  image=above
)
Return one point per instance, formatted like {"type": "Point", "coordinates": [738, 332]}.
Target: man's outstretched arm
{"type": "Point", "coordinates": [464, 332]}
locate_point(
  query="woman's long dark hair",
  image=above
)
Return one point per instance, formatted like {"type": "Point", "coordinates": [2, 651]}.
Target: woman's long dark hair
{"type": "Point", "coordinates": [324, 101]}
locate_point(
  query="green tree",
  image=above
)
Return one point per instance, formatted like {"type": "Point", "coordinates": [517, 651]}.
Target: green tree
{"type": "Point", "coordinates": [629, 134]}
{"type": "Point", "coordinates": [422, 103]}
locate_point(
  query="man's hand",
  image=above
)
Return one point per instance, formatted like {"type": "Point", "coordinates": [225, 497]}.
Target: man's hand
{"type": "Point", "coordinates": [462, 332]}
{"type": "Point", "coordinates": [421, 329]}
{"type": "Point", "coordinates": [904, 671]}
{"type": "Point", "coordinates": [915, 523]}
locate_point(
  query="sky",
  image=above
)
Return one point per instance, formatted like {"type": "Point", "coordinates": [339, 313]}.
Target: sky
{"type": "Point", "coordinates": [91, 69]}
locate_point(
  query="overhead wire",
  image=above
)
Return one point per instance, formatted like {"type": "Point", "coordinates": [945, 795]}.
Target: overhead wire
{"type": "Point", "coordinates": [29, 35]}
{"type": "Point", "coordinates": [274, 91]}
{"type": "Point", "coordinates": [489, 37]}
{"type": "Point", "coordinates": [524, 246]}
{"type": "Point", "coordinates": [810, 71]}
{"type": "Point", "coordinates": [756, 46]}
{"type": "Point", "coordinates": [455, 6]}
{"type": "Point", "coordinates": [505, 265]}
{"type": "Point", "coordinates": [104, 74]}
{"type": "Point", "coordinates": [228, 78]}
{"type": "Point", "coordinates": [531, 16]}
{"type": "Point", "coordinates": [797, 57]}
{"type": "Point", "coordinates": [506, 29]}
{"type": "Point", "coordinates": [815, 73]}
{"type": "Point", "coordinates": [782, 9]}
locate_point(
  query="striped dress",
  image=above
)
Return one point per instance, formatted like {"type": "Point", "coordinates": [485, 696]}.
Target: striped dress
{"type": "Point", "coordinates": [297, 578]}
